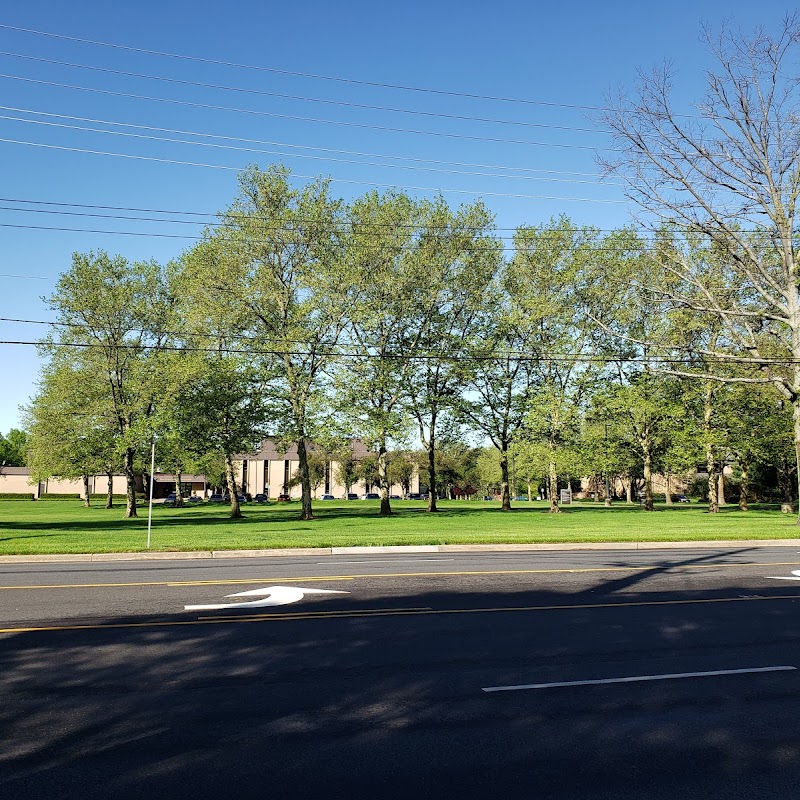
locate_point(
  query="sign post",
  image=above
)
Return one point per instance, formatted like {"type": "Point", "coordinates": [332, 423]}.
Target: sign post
{"type": "Point", "coordinates": [152, 481]}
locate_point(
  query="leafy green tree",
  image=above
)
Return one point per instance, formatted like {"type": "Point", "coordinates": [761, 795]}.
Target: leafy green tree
{"type": "Point", "coordinates": [381, 281]}
{"type": "Point", "coordinates": [728, 176]}
{"type": "Point", "coordinates": [455, 256]}
{"type": "Point", "coordinates": [548, 275]}
{"type": "Point", "coordinates": [276, 258]}
{"type": "Point", "coordinates": [72, 427]}
{"type": "Point", "coordinates": [346, 472]}
{"type": "Point", "coordinates": [499, 373]}
{"type": "Point", "coordinates": [13, 448]}
{"type": "Point", "coordinates": [121, 313]}
{"type": "Point", "coordinates": [222, 414]}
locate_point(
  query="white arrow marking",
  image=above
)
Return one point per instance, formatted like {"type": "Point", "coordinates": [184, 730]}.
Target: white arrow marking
{"type": "Point", "coordinates": [795, 576]}
{"type": "Point", "coordinates": [276, 596]}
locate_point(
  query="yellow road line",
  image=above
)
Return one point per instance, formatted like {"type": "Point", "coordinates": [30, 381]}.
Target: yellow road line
{"type": "Point", "coordinates": [306, 578]}
{"type": "Point", "coordinates": [390, 613]}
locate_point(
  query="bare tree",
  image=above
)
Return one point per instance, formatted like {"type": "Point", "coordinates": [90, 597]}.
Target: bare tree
{"type": "Point", "coordinates": [729, 173]}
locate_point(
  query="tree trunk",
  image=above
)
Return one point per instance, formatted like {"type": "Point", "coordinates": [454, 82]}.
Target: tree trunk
{"type": "Point", "coordinates": [552, 490]}
{"type": "Point", "coordinates": [431, 476]}
{"type": "Point", "coordinates": [628, 491]}
{"type": "Point", "coordinates": [713, 499]}
{"type": "Point", "coordinates": [721, 488]}
{"type": "Point", "coordinates": [230, 479]}
{"type": "Point", "coordinates": [744, 487]}
{"type": "Point", "coordinates": [648, 477]}
{"type": "Point", "coordinates": [530, 492]}
{"type": "Point", "coordinates": [178, 495]}
{"type": "Point", "coordinates": [796, 417]}
{"type": "Point", "coordinates": [785, 482]}
{"type": "Point", "coordinates": [505, 493]}
{"type": "Point", "coordinates": [383, 477]}
{"type": "Point", "coordinates": [668, 491]}
{"type": "Point", "coordinates": [306, 512]}
{"type": "Point", "coordinates": [130, 484]}
{"type": "Point", "coordinates": [110, 489]}
{"type": "Point", "coordinates": [86, 498]}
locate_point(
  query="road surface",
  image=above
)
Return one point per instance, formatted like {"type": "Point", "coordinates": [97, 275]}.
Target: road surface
{"type": "Point", "coordinates": [600, 674]}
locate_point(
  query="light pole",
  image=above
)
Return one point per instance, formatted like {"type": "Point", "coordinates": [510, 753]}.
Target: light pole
{"type": "Point", "coordinates": [152, 481]}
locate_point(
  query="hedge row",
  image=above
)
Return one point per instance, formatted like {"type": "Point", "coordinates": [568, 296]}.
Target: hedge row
{"type": "Point", "coordinates": [51, 496]}
{"type": "Point", "coordinates": [16, 496]}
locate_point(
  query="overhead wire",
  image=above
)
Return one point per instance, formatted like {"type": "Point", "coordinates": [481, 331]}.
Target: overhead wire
{"type": "Point", "coordinates": [280, 95]}
{"type": "Point", "coordinates": [339, 151]}
{"type": "Point", "coordinates": [412, 356]}
{"type": "Point", "coordinates": [346, 223]}
{"type": "Point", "coordinates": [236, 148]}
{"type": "Point", "coordinates": [348, 181]}
{"type": "Point", "coordinates": [297, 118]}
{"type": "Point", "coordinates": [309, 75]}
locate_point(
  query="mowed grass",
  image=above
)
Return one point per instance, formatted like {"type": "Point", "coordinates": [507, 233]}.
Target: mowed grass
{"type": "Point", "coordinates": [66, 527]}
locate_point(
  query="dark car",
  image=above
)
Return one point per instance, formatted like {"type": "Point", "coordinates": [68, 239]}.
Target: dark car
{"type": "Point", "coordinates": [170, 499]}
{"type": "Point", "coordinates": [352, 496]}
{"type": "Point", "coordinates": [681, 498]}
{"type": "Point", "coordinates": [216, 498]}
{"type": "Point", "coordinates": [415, 496]}
{"type": "Point", "coordinates": [372, 496]}
{"type": "Point", "coordinates": [261, 498]}
{"type": "Point", "coordinates": [195, 499]}
{"type": "Point", "coordinates": [394, 496]}
{"type": "Point", "coordinates": [328, 497]}
{"type": "Point", "coordinates": [284, 498]}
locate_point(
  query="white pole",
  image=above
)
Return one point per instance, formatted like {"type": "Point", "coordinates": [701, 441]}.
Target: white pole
{"type": "Point", "coordinates": [152, 481]}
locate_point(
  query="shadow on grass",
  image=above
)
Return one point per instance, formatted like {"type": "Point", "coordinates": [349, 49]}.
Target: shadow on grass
{"type": "Point", "coordinates": [100, 520]}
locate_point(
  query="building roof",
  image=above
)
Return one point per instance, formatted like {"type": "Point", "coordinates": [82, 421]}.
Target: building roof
{"type": "Point", "coordinates": [14, 471]}
{"type": "Point", "coordinates": [270, 451]}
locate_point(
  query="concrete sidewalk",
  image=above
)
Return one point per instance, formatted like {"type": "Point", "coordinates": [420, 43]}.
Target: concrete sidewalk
{"type": "Point", "coordinates": [426, 548]}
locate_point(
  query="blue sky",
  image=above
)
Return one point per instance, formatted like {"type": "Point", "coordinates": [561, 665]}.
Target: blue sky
{"type": "Point", "coordinates": [568, 54]}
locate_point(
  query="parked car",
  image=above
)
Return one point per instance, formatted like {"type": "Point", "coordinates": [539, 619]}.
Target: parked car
{"type": "Point", "coordinates": [328, 497]}
{"type": "Point", "coordinates": [352, 496]}
{"type": "Point", "coordinates": [682, 498]}
{"type": "Point", "coordinates": [261, 498]}
{"type": "Point", "coordinates": [370, 496]}
{"type": "Point", "coordinates": [415, 496]}
{"type": "Point", "coordinates": [394, 497]}
{"type": "Point", "coordinates": [216, 498]}
{"type": "Point", "coordinates": [195, 499]}
{"type": "Point", "coordinates": [170, 499]}
{"type": "Point", "coordinates": [284, 498]}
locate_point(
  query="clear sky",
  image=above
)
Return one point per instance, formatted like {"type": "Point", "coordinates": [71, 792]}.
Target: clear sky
{"type": "Point", "coordinates": [566, 54]}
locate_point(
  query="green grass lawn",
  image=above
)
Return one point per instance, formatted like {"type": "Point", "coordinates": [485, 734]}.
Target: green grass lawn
{"type": "Point", "coordinates": [66, 527]}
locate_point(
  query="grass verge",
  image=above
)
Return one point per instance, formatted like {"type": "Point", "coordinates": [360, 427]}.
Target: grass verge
{"type": "Point", "coordinates": [59, 527]}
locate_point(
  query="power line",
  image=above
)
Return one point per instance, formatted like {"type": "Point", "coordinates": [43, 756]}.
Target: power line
{"type": "Point", "coordinates": [156, 159]}
{"type": "Point", "coordinates": [360, 224]}
{"type": "Point", "coordinates": [314, 76]}
{"type": "Point", "coordinates": [338, 151]}
{"type": "Point", "coordinates": [275, 115]}
{"type": "Point", "coordinates": [428, 356]}
{"type": "Point", "coordinates": [280, 95]}
{"type": "Point", "coordinates": [300, 155]}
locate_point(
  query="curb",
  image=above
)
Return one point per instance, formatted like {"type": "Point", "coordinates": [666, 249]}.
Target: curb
{"type": "Point", "coordinates": [369, 550]}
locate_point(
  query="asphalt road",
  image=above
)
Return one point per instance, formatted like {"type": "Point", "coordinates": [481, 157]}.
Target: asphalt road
{"type": "Point", "coordinates": [110, 687]}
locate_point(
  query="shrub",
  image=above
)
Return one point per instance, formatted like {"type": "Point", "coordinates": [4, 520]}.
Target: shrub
{"type": "Point", "coordinates": [17, 496]}
{"type": "Point", "coordinates": [52, 496]}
